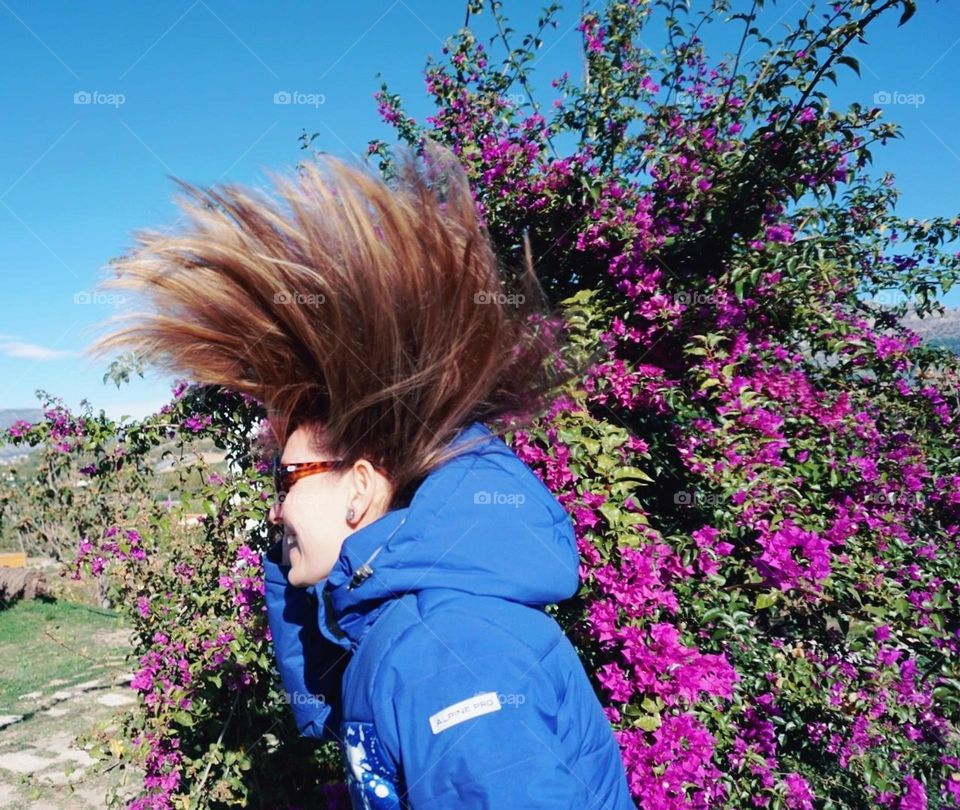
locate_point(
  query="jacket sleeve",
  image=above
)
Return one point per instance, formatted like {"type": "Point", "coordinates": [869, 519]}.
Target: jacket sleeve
{"type": "Point", "coordinates": [491, 728]}
{"type": "Point", "coordinates": [310, 666]}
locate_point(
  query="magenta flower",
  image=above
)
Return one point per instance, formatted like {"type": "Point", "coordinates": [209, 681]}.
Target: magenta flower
{"type": "Point", "coordinates": [18, 429]}
{"type": "Point", "coordinates": [779, 233]}
{"type": "Point", "coordinates": [780, 568]}
{"type": "Point", "coordinates": [196, 423]}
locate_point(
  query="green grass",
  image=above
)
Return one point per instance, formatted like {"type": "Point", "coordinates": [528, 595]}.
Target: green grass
{"type": "Point", "coordinates": [43, 641]}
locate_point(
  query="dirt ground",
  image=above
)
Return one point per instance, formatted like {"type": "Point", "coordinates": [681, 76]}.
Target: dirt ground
{"type": "Point", "coordinates": [41, 765]}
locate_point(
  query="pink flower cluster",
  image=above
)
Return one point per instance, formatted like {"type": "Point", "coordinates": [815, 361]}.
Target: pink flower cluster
{"type": "Point", "coordinates": [66, 430]}
{"type": "Point", "coordinates": [793, 558]}
{"type": "Point", "coordinates": [245, 582]}
{"type": "Point", "coordinates": [114, 545]}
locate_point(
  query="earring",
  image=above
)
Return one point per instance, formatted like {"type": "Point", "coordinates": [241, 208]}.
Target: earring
{"type": "Point", "coordinates": [350, 513]}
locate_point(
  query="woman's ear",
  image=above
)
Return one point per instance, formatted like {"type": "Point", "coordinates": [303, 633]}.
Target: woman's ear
{"type": "Point", "coordinates": [366, 496]}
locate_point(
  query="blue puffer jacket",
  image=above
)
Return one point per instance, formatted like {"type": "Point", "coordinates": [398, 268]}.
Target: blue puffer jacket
{"type": "Point", "coordinates": [428, 654]}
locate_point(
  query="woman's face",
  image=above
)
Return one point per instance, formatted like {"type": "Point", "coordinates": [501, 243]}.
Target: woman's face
{"type": "Point", "coordinates": [314, 513]}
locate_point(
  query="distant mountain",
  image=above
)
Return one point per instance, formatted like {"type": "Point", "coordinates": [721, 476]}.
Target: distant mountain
{"type": "Point", "coordinates": [940, 330]}
{"type": "Point", "coordinates": [7, 417]}
{"type": "Point", "coordinates": [10, 415]}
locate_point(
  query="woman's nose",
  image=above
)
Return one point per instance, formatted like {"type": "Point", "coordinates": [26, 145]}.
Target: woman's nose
{"type": "Point", "coordinates": [274, 514]}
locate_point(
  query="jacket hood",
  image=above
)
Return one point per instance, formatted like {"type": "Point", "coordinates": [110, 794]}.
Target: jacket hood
{"type": "Point", "coordinates": [481, 523]}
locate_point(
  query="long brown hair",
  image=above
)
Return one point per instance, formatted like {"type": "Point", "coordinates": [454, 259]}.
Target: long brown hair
{"type": "Point", "coordinates": [372, 312]}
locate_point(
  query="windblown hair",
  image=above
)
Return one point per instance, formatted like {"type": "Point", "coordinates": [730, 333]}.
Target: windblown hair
{"type": "Point", "coordinates": [372, 313]}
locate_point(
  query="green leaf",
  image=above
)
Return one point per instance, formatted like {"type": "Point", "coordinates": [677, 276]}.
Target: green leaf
{"type": "Point", "coordinates": [632, 473]}
{"type": "Point", "coordinates": [652, 705]}
{"type": "Point", "coordinates": [610, 512]}
{"type": "Point", "coordinates": [851, 62]}
{"type": "Point", "coordinates": [909, 9]}
{"type": "Point", "coordinates": [765, 600]}
{"type": "Point", "coordinates": [605, 463]}
{"type": "Point", "coordinates": [634, 519]}
{"type": "Point", "coordinates": [648, 723]}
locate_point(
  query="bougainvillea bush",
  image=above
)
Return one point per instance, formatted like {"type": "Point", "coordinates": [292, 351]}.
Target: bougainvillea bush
{"type": "Point", "coordinates": [211, 726]}
{"type": "Point", "coordinates": [760, 461]}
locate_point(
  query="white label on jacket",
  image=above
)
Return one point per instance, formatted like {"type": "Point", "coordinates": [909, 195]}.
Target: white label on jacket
{"type": "Point", "coordinates": [464, 710]}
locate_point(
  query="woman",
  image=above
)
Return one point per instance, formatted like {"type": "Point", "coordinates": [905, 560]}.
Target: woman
{"type": "Point", "coordinates": [406, 595]}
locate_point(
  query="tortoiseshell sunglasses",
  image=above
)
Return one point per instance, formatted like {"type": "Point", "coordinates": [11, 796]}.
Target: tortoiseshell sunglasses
{"type": "Point", "coordinates": [286, 475]}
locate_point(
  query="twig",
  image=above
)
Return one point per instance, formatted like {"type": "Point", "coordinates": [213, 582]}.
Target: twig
{"type": "Point", "coordinates": [520, 75]}
{"type": "Point", "coordinates": [223, 731]}
{"type": "Point", "coordinates": [53, 638]}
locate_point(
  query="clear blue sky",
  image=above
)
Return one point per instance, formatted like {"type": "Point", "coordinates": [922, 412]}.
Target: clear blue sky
{"type": "Point", "coordinates": [198, 80]}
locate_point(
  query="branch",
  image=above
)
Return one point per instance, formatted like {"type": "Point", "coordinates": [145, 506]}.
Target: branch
{"type": "Point", "coordinates": [495, 5]}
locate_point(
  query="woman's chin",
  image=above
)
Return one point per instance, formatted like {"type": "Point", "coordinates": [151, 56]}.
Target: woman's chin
{"type": "Point", "coordinates": [295, 576]}
{"type": "Point", "coordinates": [299, 576]}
